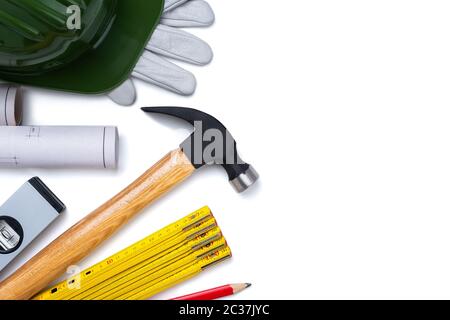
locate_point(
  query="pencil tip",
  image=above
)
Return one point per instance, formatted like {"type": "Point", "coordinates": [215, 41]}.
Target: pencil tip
{"type": "Point", "coordinates": [248, 285]}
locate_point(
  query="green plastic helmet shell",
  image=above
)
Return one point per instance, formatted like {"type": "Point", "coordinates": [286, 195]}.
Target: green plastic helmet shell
{"type": "Point", "coordinates": [36, 35]}
{"type": "Point", "coordinates": [82, 46]}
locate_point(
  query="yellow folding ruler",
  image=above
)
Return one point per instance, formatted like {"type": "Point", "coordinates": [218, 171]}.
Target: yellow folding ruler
{"type": "Point", "coordinates": [163, 259]}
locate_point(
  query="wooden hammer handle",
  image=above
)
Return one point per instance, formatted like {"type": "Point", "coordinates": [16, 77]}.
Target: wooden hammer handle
{"type": "Point", "coordinates": [79, 241]}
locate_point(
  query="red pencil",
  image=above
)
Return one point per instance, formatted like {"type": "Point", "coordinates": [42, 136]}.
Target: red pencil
{"type": "Point", "coordinates": [216, 293]}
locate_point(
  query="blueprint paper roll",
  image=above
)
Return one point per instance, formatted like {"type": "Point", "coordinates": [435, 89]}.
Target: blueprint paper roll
{"type": "Point", "coordinates": [59, 147]}
{"type": "Point", "coordinates": [10, 105]}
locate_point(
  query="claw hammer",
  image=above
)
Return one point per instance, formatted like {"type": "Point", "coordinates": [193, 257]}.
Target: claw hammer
{"type": "Point", "coordinates": [209, 144]}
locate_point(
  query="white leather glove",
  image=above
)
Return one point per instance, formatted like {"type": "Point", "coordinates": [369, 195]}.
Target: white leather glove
{"type": "Point", "coordinates": [170, 41]}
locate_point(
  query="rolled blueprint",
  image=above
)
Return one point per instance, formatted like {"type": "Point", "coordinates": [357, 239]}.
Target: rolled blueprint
{"type": "Point", "coordinates": [58, 147]}
{"type": "Point", "coordinates": [10, 105]}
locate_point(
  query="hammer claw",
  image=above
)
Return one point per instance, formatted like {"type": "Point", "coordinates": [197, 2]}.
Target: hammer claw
{"type": "Point", "coordinates": [211, 144]}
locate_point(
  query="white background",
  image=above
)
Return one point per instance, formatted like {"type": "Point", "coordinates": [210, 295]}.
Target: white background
{"type": "Point", "coordinates": [344, 109]}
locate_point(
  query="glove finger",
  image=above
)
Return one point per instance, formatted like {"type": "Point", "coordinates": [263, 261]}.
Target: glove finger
{"type": "Point", "coordinates": [195, 13]}
{"type": "Point", "coordinates": [180, 45]}
{"type": "Point", "coordinates": [162, 73]}
{"type": "Point", "coordinates": [172, 4]}
{"type": "Point", "coordinates": [125, 94]}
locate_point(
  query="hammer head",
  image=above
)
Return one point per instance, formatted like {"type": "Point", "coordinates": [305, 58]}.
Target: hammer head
{"type": "Point", "coordinates": [211, 144]}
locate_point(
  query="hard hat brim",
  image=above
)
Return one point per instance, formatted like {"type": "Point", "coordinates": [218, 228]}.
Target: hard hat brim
{"type": "Point", "coordinates": [106, 67]}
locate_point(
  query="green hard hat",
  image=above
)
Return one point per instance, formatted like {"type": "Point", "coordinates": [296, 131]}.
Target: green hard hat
{"type": "Point", "coordinates": [83, 46]}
